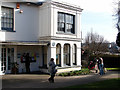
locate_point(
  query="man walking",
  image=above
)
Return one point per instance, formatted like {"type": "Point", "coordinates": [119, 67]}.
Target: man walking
{"type": "Point", "coordinates": [52, 70]}
{"type": "Point", "coordinates": [27, 63]}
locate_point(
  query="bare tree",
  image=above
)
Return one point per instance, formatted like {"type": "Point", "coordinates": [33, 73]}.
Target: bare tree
{"type": "Point", "coordinates": [95, 43]}
{"type": "Point", "coordinates": [118, 25]}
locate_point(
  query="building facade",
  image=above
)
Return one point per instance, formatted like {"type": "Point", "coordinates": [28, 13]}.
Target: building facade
{"type": "Point", "coordinates": [44, 30]}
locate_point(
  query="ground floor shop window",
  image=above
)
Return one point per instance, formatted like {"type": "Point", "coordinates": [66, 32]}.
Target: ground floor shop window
{"type": "Point", "coordinates": [58, 55]}
{"type": "Point", "coordinates": [67, 54]}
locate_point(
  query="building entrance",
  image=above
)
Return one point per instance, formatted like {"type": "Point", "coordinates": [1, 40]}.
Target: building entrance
{"type": "Point", "coordinates": [7, 57]}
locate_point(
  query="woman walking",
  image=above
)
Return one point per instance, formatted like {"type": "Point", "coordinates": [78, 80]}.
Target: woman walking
{"type": "Point", "coordinates": [52, 70]}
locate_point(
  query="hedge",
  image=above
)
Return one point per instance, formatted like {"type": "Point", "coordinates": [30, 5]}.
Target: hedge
{"type": "Point", "coordinates": [110, 61]}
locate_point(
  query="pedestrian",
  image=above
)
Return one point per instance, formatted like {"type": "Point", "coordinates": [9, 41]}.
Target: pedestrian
{"type": "Point", "coordinates": [101, 65]}
{"type": "Point", "coordinates": [96, 66]}
{"type": "Point", "coordinates": [27, 63]}
{"type": "Point", "coordinates": [52, 70]}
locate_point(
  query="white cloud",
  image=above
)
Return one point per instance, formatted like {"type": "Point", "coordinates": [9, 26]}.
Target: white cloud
{"type": "Point", "coordinates": [97, 5]}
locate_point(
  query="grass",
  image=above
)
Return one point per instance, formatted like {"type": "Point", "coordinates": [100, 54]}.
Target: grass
{"type": "Point", "coordinates": [113, 69]}
{"type": "Point", "coordinates": [112, 83]}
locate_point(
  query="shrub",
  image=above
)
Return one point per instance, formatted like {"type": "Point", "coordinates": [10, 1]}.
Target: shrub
{"type": "Point", "coordinates": [110, 61]}
{"type": "Point", "coordinates": [74, 73]}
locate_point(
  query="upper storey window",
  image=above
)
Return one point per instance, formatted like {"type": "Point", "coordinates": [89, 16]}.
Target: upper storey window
{"type": "Point", "coordinates": [7, 18]}
{"type": "Point", "coordinates": [66, 23]}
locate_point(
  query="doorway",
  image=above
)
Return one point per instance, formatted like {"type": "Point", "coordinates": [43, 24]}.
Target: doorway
{"type": "Point", "coordinates": [44, 52]}
{"type": "Point", "coordinates": [7, 57]}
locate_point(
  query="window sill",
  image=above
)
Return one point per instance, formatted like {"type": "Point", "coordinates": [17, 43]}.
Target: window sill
{"type": "Point", "coordinates": [65, 33]}
{"type": "Point", "coordinates": [8, 31]}
{"type": "Point", "coordinates": [65, 67]}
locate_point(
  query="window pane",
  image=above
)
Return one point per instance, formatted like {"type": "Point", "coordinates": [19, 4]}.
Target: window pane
{"type": "Point", "coordinates": [67, 19]}
{"type": "Point", "coordinates": [69, 27]}
{"type": "Point", "coordinates": [66, 23]}
{"type": "Point", "coordinates": [58, 55]}
{"type": "Point", "coordinates": [7, 18]}
{"type": "Point", "coordinates": [67, 54]}
{"type": "Point", "coordinates": [11, 25]}
{"type": "Point", "coordinates": [61, 17]}
{"type": "Point", "coordinates": [72, 19]}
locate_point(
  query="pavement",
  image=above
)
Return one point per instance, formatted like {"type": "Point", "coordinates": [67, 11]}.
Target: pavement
{"type": "Point", "coordinates": [41, 80]}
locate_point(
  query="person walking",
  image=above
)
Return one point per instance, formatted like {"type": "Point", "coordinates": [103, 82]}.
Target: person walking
{"type": "Point", "coordinates": [101, 65]}
{"type": "Point", "coordinates": [27, 63]}
{"type": "Point", "coordinates": [52, 70]}
{"type": "Point", "coordinates": [96, 65]}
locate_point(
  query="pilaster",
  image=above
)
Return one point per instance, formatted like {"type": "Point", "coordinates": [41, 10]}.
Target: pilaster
{"type": "Point", "coordinates": [71, 61]}
{"type": "Point", "coordinates": [0, 59]}
{"type": "Point", "coordinates": [62, 59]}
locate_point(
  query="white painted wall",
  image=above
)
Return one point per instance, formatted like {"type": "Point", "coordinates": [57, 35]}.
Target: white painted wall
{"type": "Point", "coordinates": [26, 23]}
{"type": "Point", "coordinates": [0, 59]}
{"type": "Point", "coordinates": [44, 21]}
{"type": "Point", "coordinates": [2, 36]}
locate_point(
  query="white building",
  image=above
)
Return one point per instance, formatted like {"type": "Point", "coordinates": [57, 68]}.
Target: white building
{"type": "Point", "coordinates": [44, 30]}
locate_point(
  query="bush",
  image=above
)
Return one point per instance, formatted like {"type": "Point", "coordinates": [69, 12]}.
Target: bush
{"type": "Point", "coordinates": [110, 61]}
{"type": "Point", "coordinates": [74, 73]}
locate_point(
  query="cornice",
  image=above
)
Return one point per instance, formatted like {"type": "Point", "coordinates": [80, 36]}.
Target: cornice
{"type": "Point", "coordinates": [66, 5]}
{"type": "Point", "coordinates": [48, 38]}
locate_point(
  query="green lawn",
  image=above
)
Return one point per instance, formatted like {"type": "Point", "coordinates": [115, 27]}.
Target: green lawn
{"type": "Point", "coordinates": [113, 69]}
{"type": "Point", "coordinates": [112, 83]}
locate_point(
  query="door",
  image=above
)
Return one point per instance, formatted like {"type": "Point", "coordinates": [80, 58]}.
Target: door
{"type": "Point", "coordinates": [3, 60]}
{"type": "Point", "coordinates": [7, 57]}
{"type": "Point", "coordinates": [10, 59]}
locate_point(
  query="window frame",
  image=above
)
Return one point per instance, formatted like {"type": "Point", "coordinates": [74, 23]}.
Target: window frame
{"type": "Point", "coordinates": [66, 54]}
{"type": "Point", "coordinates": [10, 20]}
{"type": "Point", "coordinates": [72, 31]}
{"type": "Point", "coordinates": [74, 54]}
{"type": "Point", "coordinates": [58, 54]}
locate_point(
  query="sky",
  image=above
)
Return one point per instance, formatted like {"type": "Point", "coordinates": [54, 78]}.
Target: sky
{"type": "Point", "coordinates": [97, 16]}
